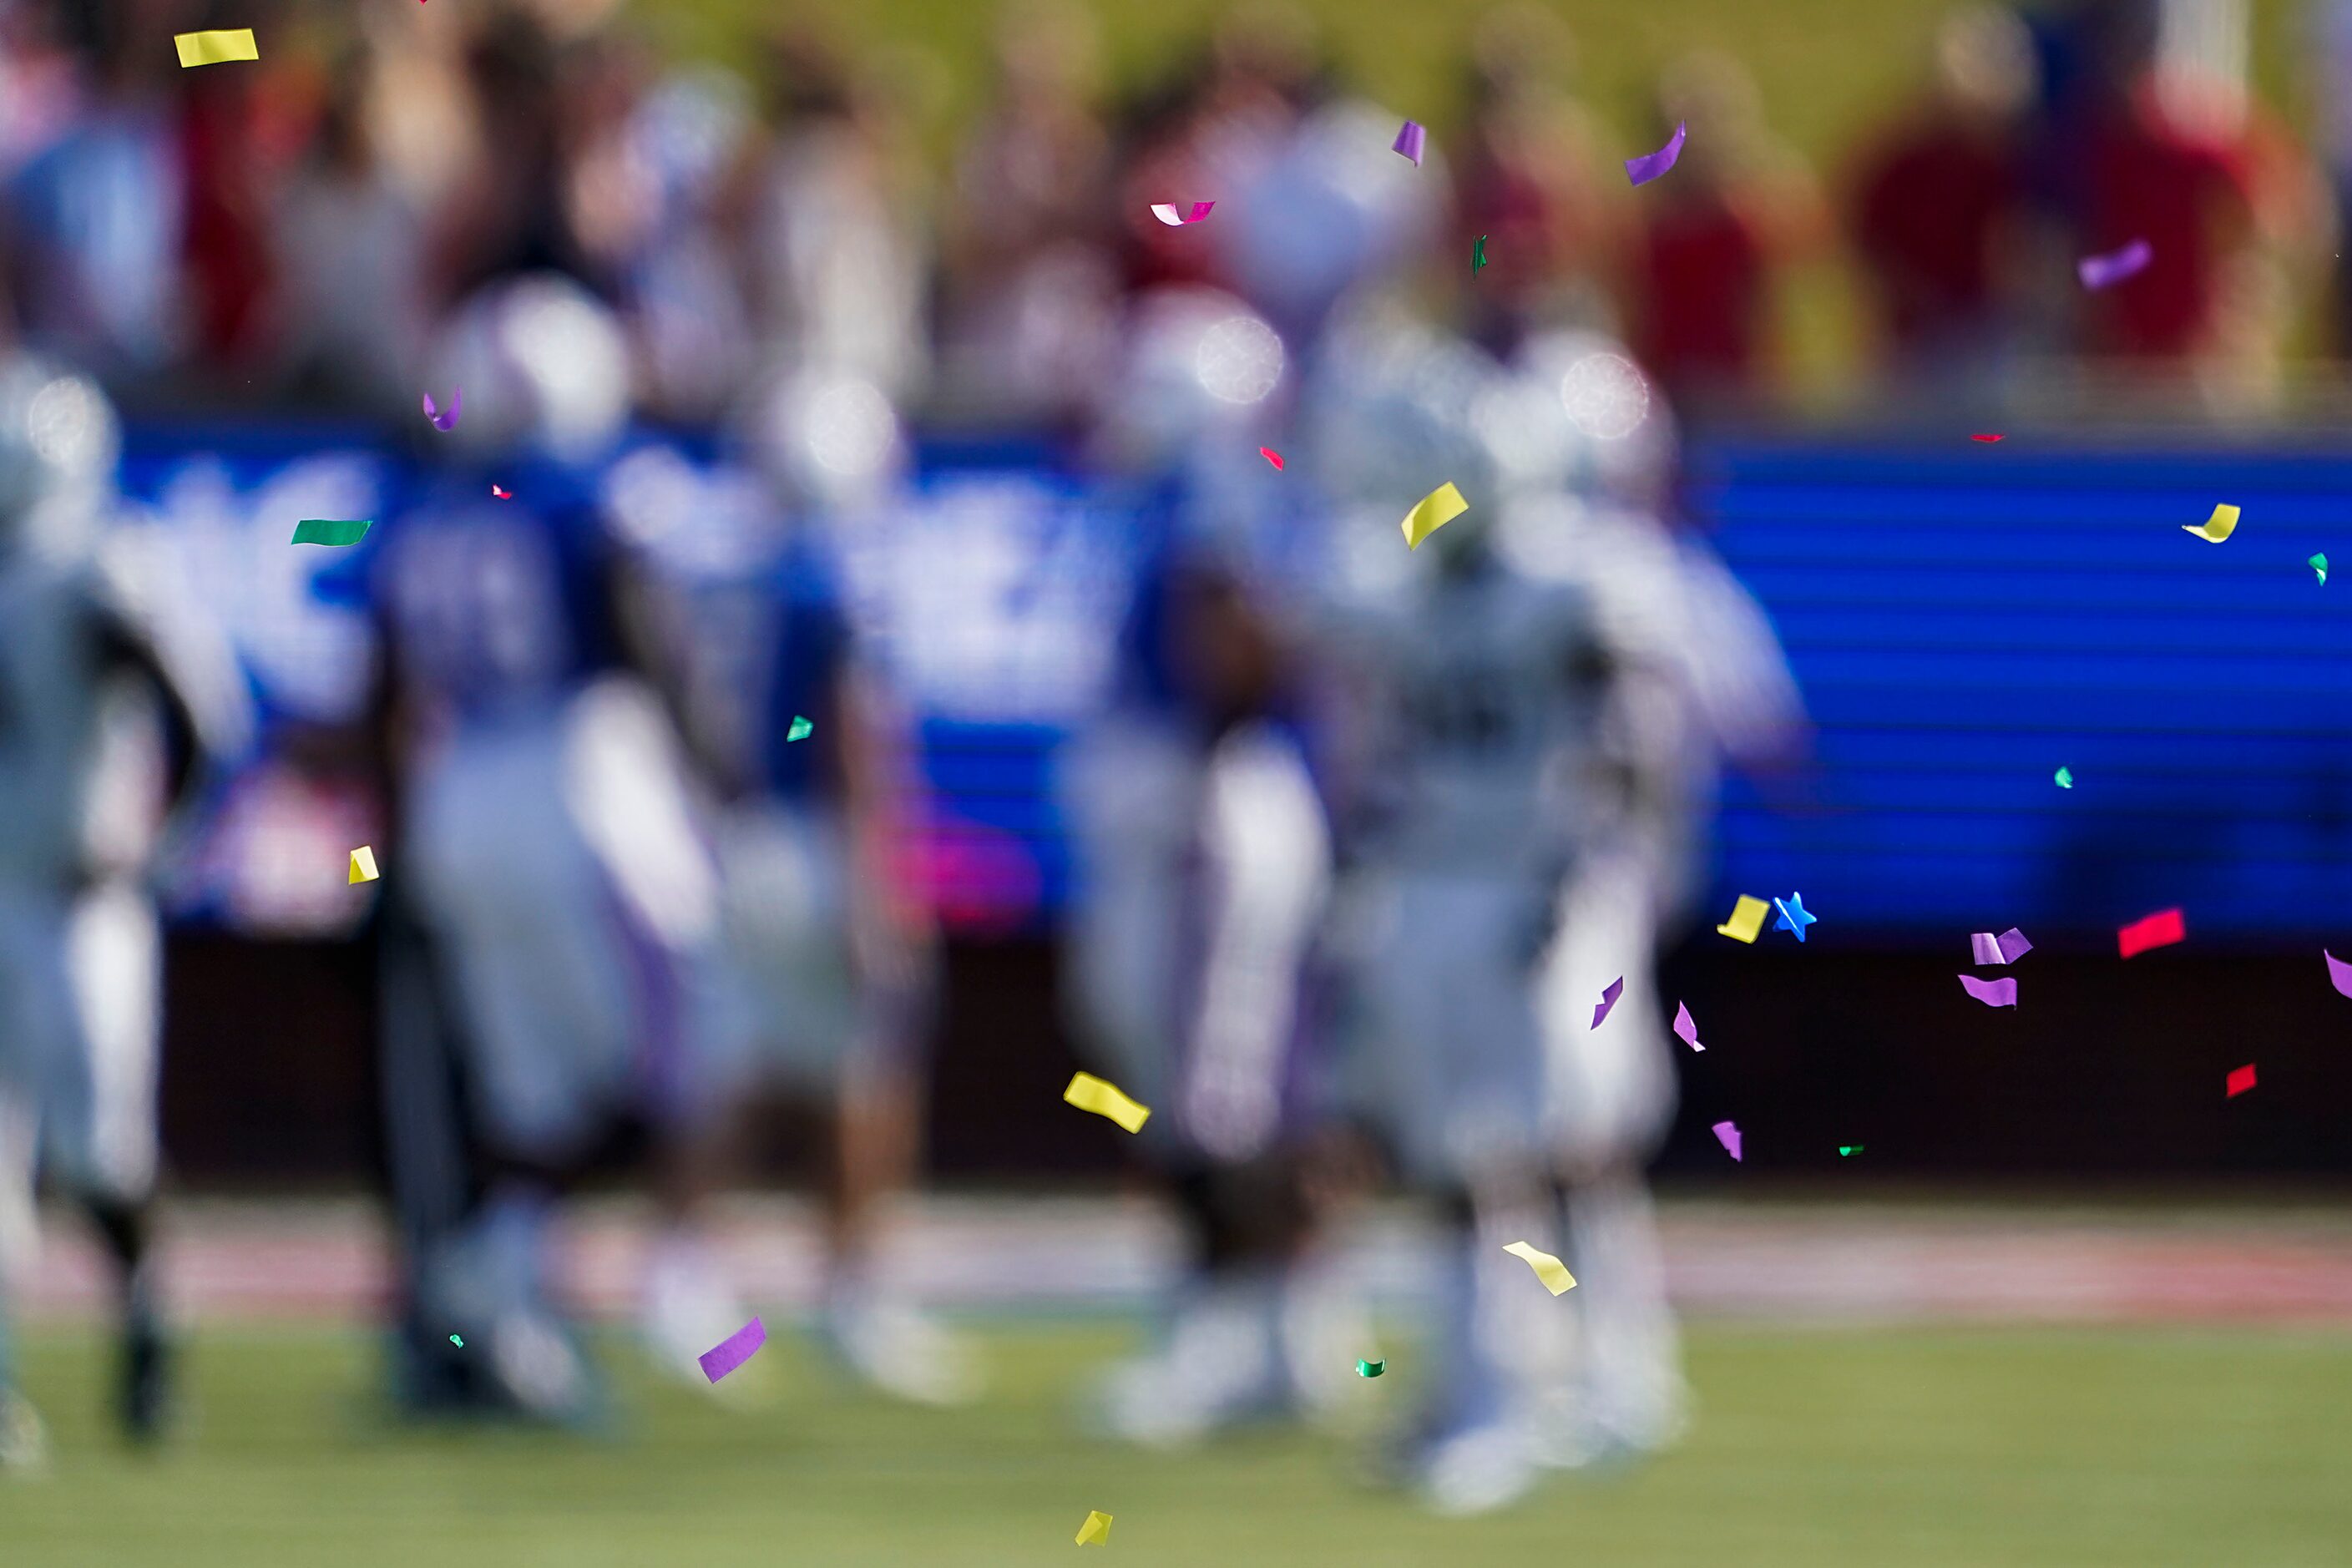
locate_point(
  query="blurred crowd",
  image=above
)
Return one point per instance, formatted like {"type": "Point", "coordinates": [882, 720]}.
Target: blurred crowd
{"type": "Point", "coordinates": [286, 234]}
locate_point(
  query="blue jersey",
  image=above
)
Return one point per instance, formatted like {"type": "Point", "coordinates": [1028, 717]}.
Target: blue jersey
{"type": "Point", "coordinates": [496, 609]}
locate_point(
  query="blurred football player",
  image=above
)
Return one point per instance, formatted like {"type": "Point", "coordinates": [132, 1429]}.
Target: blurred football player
{"type": "Point", "coordinates": [542, 817]}
{"type": "Point", "coordinates": [829, 958]}
{"type": "Point", "coordinates": [99, 737]}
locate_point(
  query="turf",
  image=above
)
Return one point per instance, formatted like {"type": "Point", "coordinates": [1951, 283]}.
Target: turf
{"type": "Point", "coordinates": [1815, 1448]}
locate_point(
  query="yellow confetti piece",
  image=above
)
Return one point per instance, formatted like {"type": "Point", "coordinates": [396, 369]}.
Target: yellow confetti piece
{"type": "Point", "coordinates": [1747, 919]}
{"type": "Point", "coordinates": [1549, 1270]}
{"type": "Point", "coordinates": [1435, 509]}
{"type": "Point", "coordinates": [1097, 1527]}
{"type": "Point", "coordinates": [2216, 527]}
{"type": "Point", "coordinates": [363, 864]}
{"type": "Point", "coordinates": [1088, 1092]}
{"type": "Point", "coordinates": [217, 48]}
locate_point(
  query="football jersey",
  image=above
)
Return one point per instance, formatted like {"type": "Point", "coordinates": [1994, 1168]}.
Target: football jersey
{"type": "Point", "coordinates": [53, 666]}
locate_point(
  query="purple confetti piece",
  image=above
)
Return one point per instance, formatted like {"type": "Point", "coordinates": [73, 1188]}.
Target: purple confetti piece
{"type": "Point", "coordinates": [1987, 948]}
{"type": "Point", "coordinates": [1727, 1132]}
{"type": "Point", "coordinates": [2339, 974]}
{"type": "Point", "coordinates": [1685, 1027]}
{"type": "Point", "coordinates": [445, 421]}
{"type": "Point", "coordinates": [2013, 945]}
{"type": "Point", "coordinates": [733, 1350]}
{"type": "Point", "coordinates": [1650, 166]}
{"type": "Point", "coordinates": [1991, 993]}
{"type": "Point", "coordinates": [1411, 140]}
{"type": "Point", "coordinates": [1608, 1000]}
{"type": "Point", "coordinates": [2107, 272]}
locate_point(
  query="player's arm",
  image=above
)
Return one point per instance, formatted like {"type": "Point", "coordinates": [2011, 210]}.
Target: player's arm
{"type": "Point", "coordinates": [124, 649]}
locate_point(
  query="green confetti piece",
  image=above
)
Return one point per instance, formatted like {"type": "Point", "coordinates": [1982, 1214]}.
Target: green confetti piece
{"type": "Point", "coordinates": [458, 1342]}
{"type": "Point", "coordinates": [1477, 255]}
{"type": "Point", "coordinates": [2319, 564]}
{"type": "Point", "coordinates": [1849, 1148]}
{"type": "Point", "coordinates": [2065, 779]}
{"type": "Point", "coordinates": [1370, 1368]}
{"type": "Point", "coordinates": [329, 531]}
{"type": "Point", "coordinates": [800, 730]}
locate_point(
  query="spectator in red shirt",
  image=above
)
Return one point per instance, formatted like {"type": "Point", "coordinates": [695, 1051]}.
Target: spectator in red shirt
{"type": "Point", "coordinates": [1941, 203]}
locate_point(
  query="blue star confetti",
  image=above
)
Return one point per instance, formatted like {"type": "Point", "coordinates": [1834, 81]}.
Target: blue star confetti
{"type": "Point", "coordinates": [1793, 917]}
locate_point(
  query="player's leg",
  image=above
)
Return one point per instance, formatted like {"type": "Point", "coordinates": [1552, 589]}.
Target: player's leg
{"type": "Point", "coordinates": [23, 1441]}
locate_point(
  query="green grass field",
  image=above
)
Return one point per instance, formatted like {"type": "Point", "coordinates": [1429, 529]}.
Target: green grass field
{"type": "Point", "coordinates": [1814, 1446]}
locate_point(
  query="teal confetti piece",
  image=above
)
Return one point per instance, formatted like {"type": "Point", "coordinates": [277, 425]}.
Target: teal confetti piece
{"type": "Point", "coordinates": [458, 1342]}
{"type": "Point", "coordinates": [2319, 564]}
{"type": "Point", "coordinates": [800, 730]}
{"type": "Point", "coordinates": [1849, 1148]}
{"type": "Point", "coordinates": [2065, 779]}
{"type": "Point", "coordinates": [1477, 255]}
{"type": "Point", "coordinates": [1370, 1368]}
{"type": "Point", "coordinates": [330, 530]}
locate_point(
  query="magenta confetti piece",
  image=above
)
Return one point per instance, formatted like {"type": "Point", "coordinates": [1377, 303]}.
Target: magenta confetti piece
{"type": "Point", "coordinates": [2339, 974]}
{"type": "Point", "coordinates": [1271, 455]}
{"type": "Point", "coordinates": [733, 1350]}
{"type": "Point", "coordinates": [1608, 1000]}
{"type": "Point", "coordinates": [1991, 993]}
{"type": "Point", "coordinates": [1411, 140]}
{"type": "Point", "coordinates": [445, 421]}
{"type": "Point", "coordinates": [2107, 272]}
{"type": "Point", "coordinates": [1685, 1027]}
{"type": "Point", "coordinates": [1650, 166]}
{"type": "Point", "coordinates": [2013, 945]}
{"type": "Point", "coordinates": [1727, 1132]}
{"type": "Point", "coordinates": [1987, 948]}
{"type": "Point", "coordinates": [1168, 215]}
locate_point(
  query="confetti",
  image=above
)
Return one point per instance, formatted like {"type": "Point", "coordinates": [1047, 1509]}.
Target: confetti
{"type": "Point", "coordinates": [733, 1350]}
{"type": "Point", "coordinates": [1793, 917]}
{"type": "Point", "coordinates": [1088, 1092]}
{"type": "Point", "coordinates": [1549, 1270]}
{"type": "Point", "coordinates": [1849, 1149]}
{"type": "Point", "coordinates": [445, 421]}
{"type": "Point", "coordinates": [799, 730]}
{"type": "Point", "coordinates": [2339, 974]}
{"type": "Point", "coordinates": [2105, 271]}
{"type": "Point", "coordinates": [502, 495]}
{"type": "Point", "coordinates": [1478, 255]}
{"type": "Point", "coordinates": [2218, 527]}
{"type": "Point", "coordinates": [1271, 455]}
{"type": "Point", "coordinates": [2066, 778]}
{"type": "Point", "coordinates": [1097, 1529]}
{"type": "Point", "coordinates": [1991, 993]}
{"type": "Point", "coordinates": [2007, 948]}
{"type": "Point", "coordinates": [1685, 1027]}
{"type": "Point", "coordinates": [330, 530]}
{"type": "Point", "coordinates": [1431, 513]}
{"type": "Point", "coordinates": [2161, 928]}
{"type": "Point", "coordinates": [1747, 919]}
{"type": "Point", "coordinates": [1984, 438]}
{"type": "Point", "coordinates": [1411, 140]}
{"type": "Point", "coordinates": [1650, 166]}
{"type": "Point", "coordinates": [1728, 1134]}
{"type": "Point", "coordinates": [1174, 219]}
{"type": "Point", "coordinates": [2319, 564]}
{"type": "Point", "coordinates": [2240, 1081]}
{"type": "Point", "coordinates": [458, 1342]}
{"type": "Point", "coordinates": [216, 47]}
{"type": "Point", "coordinates": [363, 864]}
{"type": "Point", "coordinates": [1370, 1368]}
{"type": "Point", "coordinates": [1609, 995]}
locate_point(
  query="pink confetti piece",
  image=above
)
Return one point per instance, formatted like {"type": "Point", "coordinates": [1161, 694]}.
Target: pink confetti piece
{"type": "Point", "coordinates": [1411, 140]}
{"type": "Point", "coordinates": [1986, 438]}
{"type": "Point", "coordinates": [445, 421]}
{"type": "Point", "coordinates": [1986, 947]}
{"type": "Point", "coordinates": [502, 495]}
{"type": "Point", "coordinates": [1609, 995]}
{"type": "Point", "coordinates": [1271, 455]}
{"type": "Point", "coordinates": [1650, 166]}
{"type": "Point", "coordinates": [2240, 1081]}
{"type": "Point", "coordinates": [1684, 1026]}
{"type": "Point", "coordinates": [2107, 272]}
{"type": "Point", "coordinates": [1168, 214]}
{"type": "Point", "coordinates": [1727, 1133]}
{"type": "Point", "coordinates": [2339, 974]}
{"type": "Point", "coordinates": [1991, 993]}
{"type": "Point", "coordinates": [733, 1350]}
{"type": "Point", "coordinates": [2161, 928]}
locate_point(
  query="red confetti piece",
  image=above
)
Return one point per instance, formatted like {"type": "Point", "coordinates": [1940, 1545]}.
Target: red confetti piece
{"type": "Point", "coordinates": [2241, 1080]}
{"type": "Point", "coordinates": [2161, 928]}
{"type": "Point", "coordinates": [1271, 455]}
{"type": "Point", "coordinates": [1984, 438]}
{"type": "Point", "coordinates": [502, 495]}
